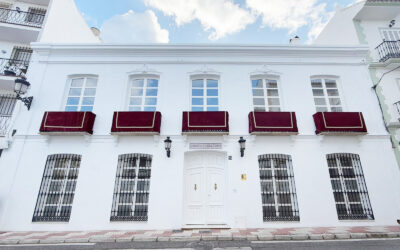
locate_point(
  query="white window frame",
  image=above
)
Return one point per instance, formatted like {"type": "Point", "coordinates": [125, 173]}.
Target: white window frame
{"type": "Point", "coordinates": [265, 78]}
{"type": "Point", "coordinates": [205, 77]}
{"type": "Point", "coordinates": [67, 90]}
{"type": "Point", "coordinates": [323, 78]}
{"type": "Point", "coordinates": [144, 77]}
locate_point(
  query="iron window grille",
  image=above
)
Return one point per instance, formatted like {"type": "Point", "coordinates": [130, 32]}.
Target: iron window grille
{"type": "Point", "coordinates": [57, 190]}
{"type": "Point", "coordinates": [7, 104]}
{"type": "Point", "coordinates": [35, 15]}
{"type": "Point", "coordinates": [131, 191]}
{"type": "Point", "coordinates": [278, 190]}
{"type": "Point", "coordinates": [349, 187]}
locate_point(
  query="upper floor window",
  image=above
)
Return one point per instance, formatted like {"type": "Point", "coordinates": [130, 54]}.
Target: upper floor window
{"type": "Point", "coordinates": [81, 94]}
{"type": "Point", "coordinates": [265, 95]}
{"type": "Point", "coordinates": [349, 187]}
{"type": "Point", "coordinates": [326, 95]}
{"type": "Point", "coordinates": [390, 34]}
{"type": "Point", "coordinates": [204, 95]}
{"type": "Point", "coordinates": [56, 194]}
{"type": "Point", "coordinates": [143, 94]}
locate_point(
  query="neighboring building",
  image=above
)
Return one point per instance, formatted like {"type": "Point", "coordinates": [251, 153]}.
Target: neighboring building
{"type": "Point", "coordinates": [20, 24]}
{"type": "Point", "coordinates": [376, 24]}
{"type": "Point", "coordinates": [182, 136]}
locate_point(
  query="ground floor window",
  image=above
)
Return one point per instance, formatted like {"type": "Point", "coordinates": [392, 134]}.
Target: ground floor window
{"type": "Point", "coordinates": [349, 187]}
{"type": "Point", "coordinates": [56, 194]}
{"type": "Point", "coordinates": [131, 191]}
{"type": "Point", "coordinates": [278, 191]}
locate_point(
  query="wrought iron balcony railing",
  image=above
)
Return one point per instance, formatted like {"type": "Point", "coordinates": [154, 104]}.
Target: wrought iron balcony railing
{"type": "Point", "coordinates": [19, 17]}
{"type": "Point", "coordinates": [388, 49]}
{"type": "Point", "coordinates": [18, 67]}
{"type": "Point", "coordinates": [7, 104]}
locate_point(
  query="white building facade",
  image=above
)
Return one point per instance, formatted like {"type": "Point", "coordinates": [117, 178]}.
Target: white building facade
{"type": "Point", "coordinates": [90, 153]}
{"type": "Point", "coordinates": [376, 24]}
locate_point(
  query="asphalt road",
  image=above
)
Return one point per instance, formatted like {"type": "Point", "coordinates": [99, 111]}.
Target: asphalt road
{"type": "Point", "coordinates": [370, 244]}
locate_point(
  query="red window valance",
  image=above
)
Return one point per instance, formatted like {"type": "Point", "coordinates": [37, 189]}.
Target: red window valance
{"type": "Point", "coordinates": [136, 122]}
{"type": "Point", "coordinates": [339, 123]}
{"type": "Point", "coordinates": [272, 123]}
{"type": "Point", "coordinates": [67, 122]}
{"type": "Point", "coordinates": [205, 122]}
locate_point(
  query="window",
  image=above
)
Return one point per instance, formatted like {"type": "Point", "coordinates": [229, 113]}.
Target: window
{"type": "Point", "coordinates": [278, 191]}
{"type": "Point", "coordinates": [143, 94]}
{"type": "Point", "coordinates": [349, 187]}
{"type": "Point", "coordinates": [390, 34]}
{"type": "Point", "coordinates": [265, 95]}
{"type": "Point", "coordinates": [326, 95]}
{"type": "Point", "coordinates": [204, 95]}
{"type": "Point", "coordinates": [35, 15]}
{"type": "Point", "coordinates": [131, 191]}
{"type": "Point", "coordinates": [7, 104]}
{"type": "Point", "coordinates": [57, 190]}
{"type": "Point", "coordinates": [81, 94]}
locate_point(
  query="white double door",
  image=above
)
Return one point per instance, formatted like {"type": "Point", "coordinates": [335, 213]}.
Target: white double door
{"type": "Point", "coordinates": [204, 184]}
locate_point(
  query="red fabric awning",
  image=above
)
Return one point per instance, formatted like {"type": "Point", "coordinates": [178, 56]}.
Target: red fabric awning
{"type": "Point", "coordinates": [339, 123]}
{"type": "Point", "coordinates": [205, 122]}
{"type": "Point", "coordinates": [272, 123]}
{"type": "Point", "coordinates": [67, 122]}
{"type": "Point", "coordinates": [136, 122]}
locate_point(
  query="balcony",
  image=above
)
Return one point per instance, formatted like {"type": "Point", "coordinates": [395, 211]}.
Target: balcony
{"type": "Point", "coordinates": [23, 18]}
{"type": "Point", "coordinates": [13, 67]}
{"type": "Point", "coordinates": [205, 123]}
{"type": "Point", "coordinates": [339, 123]}
{"type": "Point", "coordinates": [272, 123]}
{"type": "Point", "coordinates": [388, 50]}
{"type": "Point", "coordinates": [67, 123]}
{"type": "Point", "coordinates": [136, 123]}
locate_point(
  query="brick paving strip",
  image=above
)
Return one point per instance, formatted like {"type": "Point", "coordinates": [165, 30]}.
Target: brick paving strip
{"type": "Point", "coordinates": [250, 234]}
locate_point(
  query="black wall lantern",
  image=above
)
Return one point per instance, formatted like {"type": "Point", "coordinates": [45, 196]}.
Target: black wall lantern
{"type": "Point", "coordinates": [168, 146]}
{"type": "Point", "coordinates": [242, 143]}
{"type": "Point", "coordinates": [20, 88]}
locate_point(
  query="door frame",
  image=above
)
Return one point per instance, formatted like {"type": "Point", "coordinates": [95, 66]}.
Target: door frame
{"type": "Point", "coordinates": [225, 192]}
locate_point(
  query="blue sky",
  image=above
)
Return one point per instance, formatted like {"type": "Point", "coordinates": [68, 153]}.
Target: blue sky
{"type": "Point", "coordinates": [208, 21]}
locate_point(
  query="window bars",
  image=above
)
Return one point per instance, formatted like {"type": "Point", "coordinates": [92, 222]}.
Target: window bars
{"type": "Point", "coordinates": [349, 187]}
{"type": "Point", "coordinates": [278, 191]}
{"type": "Point", "coordinates": [57, 190]}
{"type": "Point", "coordinates": [7, 104]}
{"type": "Point", "coordinates": [131, 191]}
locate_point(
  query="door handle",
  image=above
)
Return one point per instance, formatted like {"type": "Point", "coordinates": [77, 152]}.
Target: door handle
{"type": "Point", "coordinates": [195, 187]}
{"type": "Point", "coordinates": [215, 186]}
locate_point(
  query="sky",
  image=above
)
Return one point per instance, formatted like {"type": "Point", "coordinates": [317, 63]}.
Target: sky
{"type": "Point", "coordinates": [208, 21]}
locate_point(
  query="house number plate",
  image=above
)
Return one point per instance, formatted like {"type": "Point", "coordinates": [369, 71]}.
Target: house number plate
{"type": "Point", "coordinates": [205, 145]}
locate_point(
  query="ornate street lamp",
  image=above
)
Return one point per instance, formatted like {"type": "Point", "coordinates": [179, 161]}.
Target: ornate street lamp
{"type": "Point", "coordinates": [242, 143]}
{"type": "Point", "coordinates": [168, 146]}
{"type": "Point", "coordinates": [20, 88]}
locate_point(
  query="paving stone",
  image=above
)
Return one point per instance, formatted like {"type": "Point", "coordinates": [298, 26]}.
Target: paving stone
{"type": "Point", "coordinates": [265, 237]}
{"type": "Point", "coordinates": [52, 241]}
{"type": "Point", "coordinates": [208, 237]}
{"type": "Point", "coordinates": [224, 237]}
{"type": "Point", "coordinates": [299, 237]}
{"type": "Point", "coordinates": [124, 239]}
{"type": "Point", "coordinates": [315, 236]}
{"type": "Point", "coordinates": [29, 241]}
{"type": "Point", "coordinates": [77, 240]}
{"type": "Point", "coordinates": [252, 237]}
{"type": "Point", "coordinates": [393, 235]}
{"type": "Point", "coordinates": [239, 237]}
{"type": "Point", "coordinates": [101, 239]}
{"type": "Point", "coordinates": [328, 236]}
{"type": "Point", "coordinates": [143, 238]}
{"type": "Point", "coordinates": [377, 235]}
{"type": "Point", "coordinates": [281, 237]}
{"type": "Point", "coordinates": [342, 236]}
{"type": "Point", "coordinates": [163, 238]}
{"type": "Point", "coordinates": [358, 235]}
{"type": "Point", "coordinates": [9, 241]}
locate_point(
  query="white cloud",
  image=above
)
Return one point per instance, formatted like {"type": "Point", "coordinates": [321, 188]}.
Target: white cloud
{"type": "Point", "coordinates": [291, 14]}
{"type": "Point", "coordinates": [221, 17]}
{"type": "Point", "coordinates": [134, 27]}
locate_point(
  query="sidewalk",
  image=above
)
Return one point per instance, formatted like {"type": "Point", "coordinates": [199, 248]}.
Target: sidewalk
{"type": "Point", "coordinates": [257, 234]}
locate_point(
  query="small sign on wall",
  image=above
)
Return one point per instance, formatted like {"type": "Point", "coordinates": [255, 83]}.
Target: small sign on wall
{"type": "Point", "coordinates": [205, 145]}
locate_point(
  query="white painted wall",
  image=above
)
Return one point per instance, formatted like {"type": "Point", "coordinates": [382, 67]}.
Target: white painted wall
{"type": "Point", "coordinates": [22, 165]}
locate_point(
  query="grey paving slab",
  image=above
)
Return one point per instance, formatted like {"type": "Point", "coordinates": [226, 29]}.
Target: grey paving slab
{"type": "Point", "coordinates": [282, 237]}
{"type": "Point", "coordinates": [358, 235]}
{"type": "Point", "coordinates": [342, 236]}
